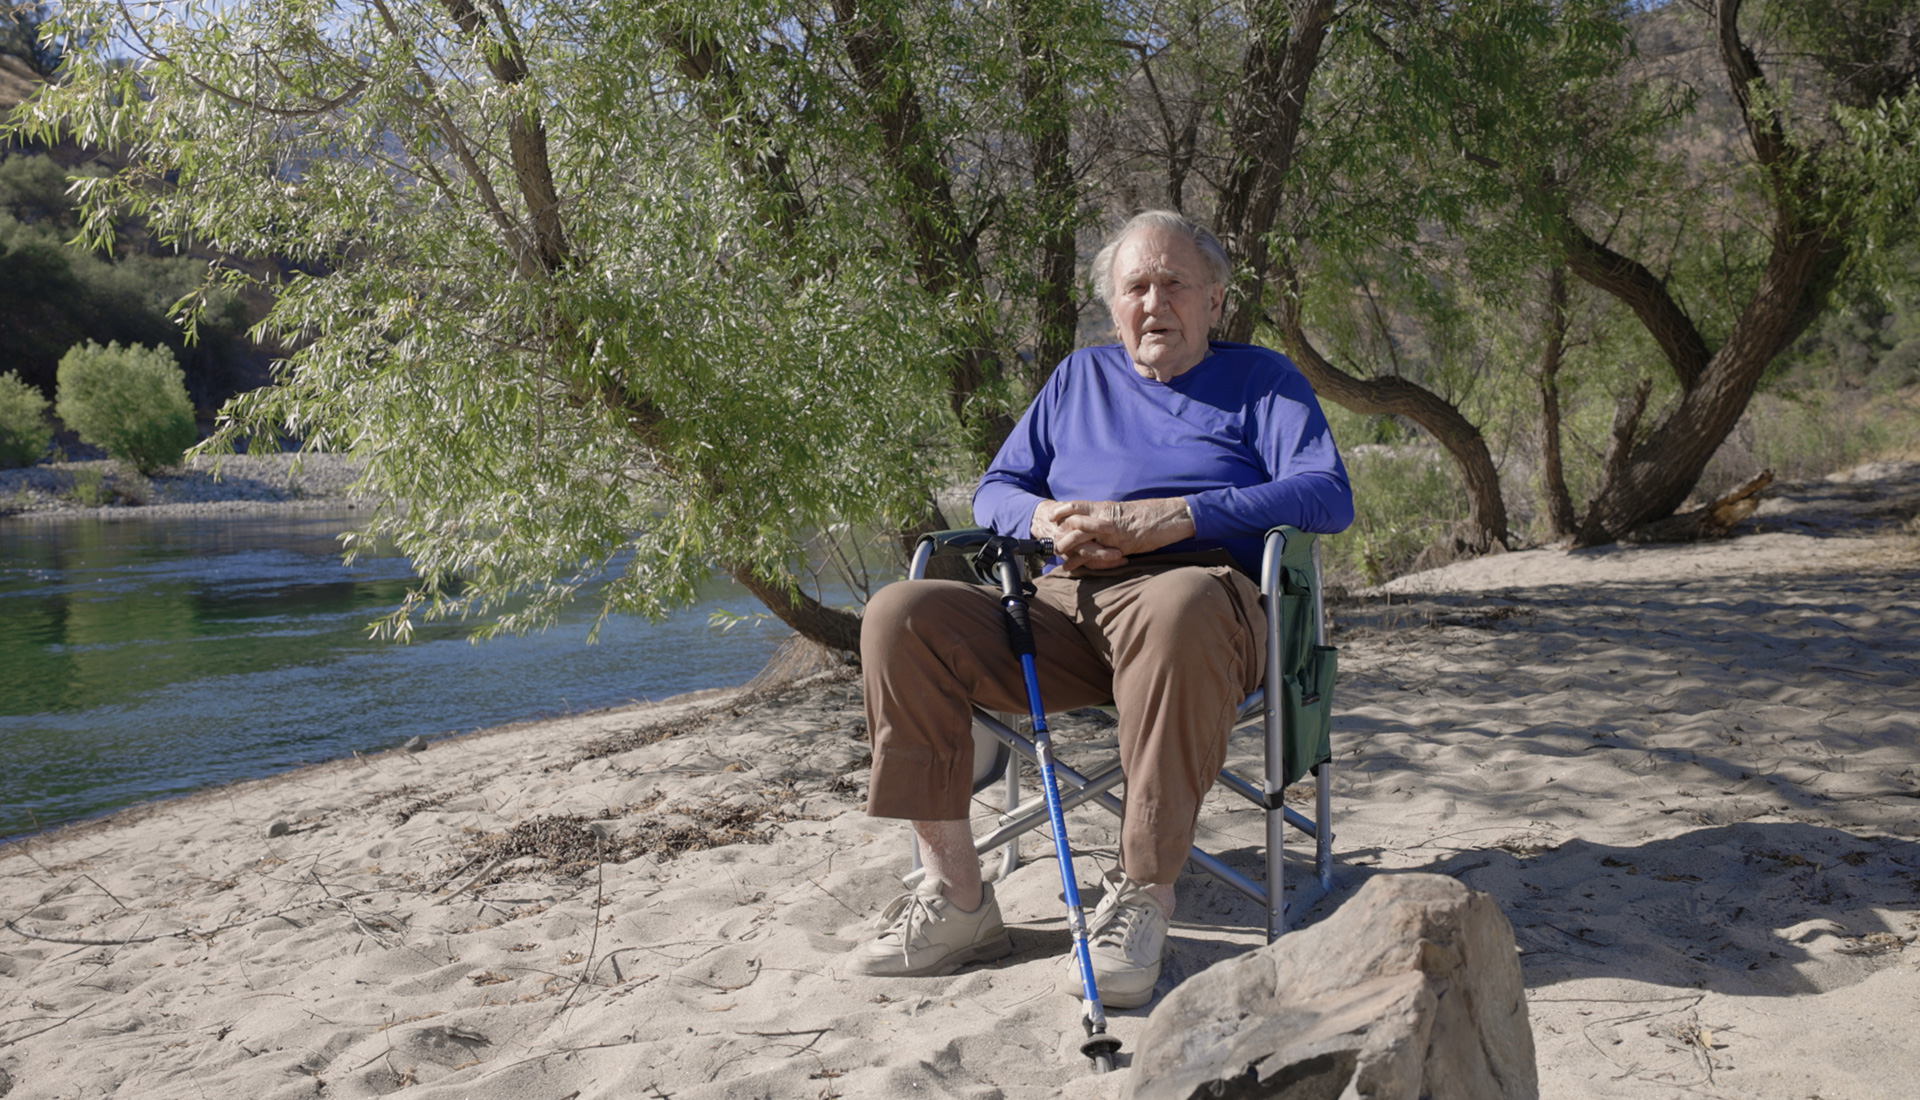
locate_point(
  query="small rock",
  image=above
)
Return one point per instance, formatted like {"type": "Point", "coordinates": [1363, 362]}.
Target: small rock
{"type": "Point", "coordinates": [415, 743]}
{"type": "Point", "coordinates": [6, 1082]}
{"type": "Point", "coordinates": [278, 828]}
{"type": "Point", "coordinates": [1411, 989]}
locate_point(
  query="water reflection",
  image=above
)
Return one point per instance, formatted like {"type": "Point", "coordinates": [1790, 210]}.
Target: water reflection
{"type": "Point", "coordinates": [149, 657]}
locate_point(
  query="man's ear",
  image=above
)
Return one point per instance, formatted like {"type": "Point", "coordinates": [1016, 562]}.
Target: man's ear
{"type": "Point", "coordinates": [1218, 295]}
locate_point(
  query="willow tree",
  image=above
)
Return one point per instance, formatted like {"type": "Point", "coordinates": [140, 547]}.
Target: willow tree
{"type": "Point", "coordinates": [625, 291]}
{"type": "Point", "coordinates": [1827, 173]}
{"type": "Point", "coordinates": [1713, 187]}
{"type": "Point", "coordinates": [1495, 145]}
{"type": "Point", "coordinates": [1420, 285]}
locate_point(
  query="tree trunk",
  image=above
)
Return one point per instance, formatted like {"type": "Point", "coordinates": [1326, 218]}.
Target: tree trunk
{"type": "Point", "coordinates": [1044, 99]}
{"type": "Point", "coordinates": [1284, 51]}
{"type": "Point", "coordinates": [1284, 40]}
{"type": "Point", "coordinates": [1656, 479]}
{"type": "Point", "coordinates": [809, 618]}
{"type": "Point", "coordinates": [948, 249]}
{"type": "Point", "coordinates": [1487, 511]}
{"type": "Point", "coordinates": [1555, 501]}
{"type": "Point", "coordinates": [1805, 261]}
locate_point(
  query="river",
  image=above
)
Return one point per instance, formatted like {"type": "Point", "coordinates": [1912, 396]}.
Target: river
{"type": "Point", "coordinates": [150, 657]}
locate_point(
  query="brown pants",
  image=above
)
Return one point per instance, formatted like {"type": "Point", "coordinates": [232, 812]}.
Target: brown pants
{"type": "Point", "coordinates": [1174, 648]}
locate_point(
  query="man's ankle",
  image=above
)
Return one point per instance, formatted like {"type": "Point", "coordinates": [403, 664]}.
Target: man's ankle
{"type": "Point", "coordinates": [959, 898]}
{"type": "Point", "coordinates": [1161, 892]}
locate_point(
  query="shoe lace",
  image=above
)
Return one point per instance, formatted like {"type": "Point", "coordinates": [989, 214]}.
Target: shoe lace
{"type": "Point", "coordinates": [905, 916]}
{"type": "Point", "coordinates": [1116, 922]}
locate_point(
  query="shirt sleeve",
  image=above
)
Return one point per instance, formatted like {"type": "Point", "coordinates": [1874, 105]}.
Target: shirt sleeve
{"type": "Point", "coordinates": [1016, 482]}
{"type": "Point", "coordinates": [1309, 488]}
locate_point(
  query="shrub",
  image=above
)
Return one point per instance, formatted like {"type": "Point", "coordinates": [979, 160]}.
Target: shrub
{"type": "Point", "coordinates": [24, 430]}
{"type": "Point", "coordinates": [95, 487]}
{"type": "Point", "coordinates": [131, 401]}
{"type": "Point", "coordinates": [1406, 498]}
{"type": "Point", "coordinates": [88, 485]}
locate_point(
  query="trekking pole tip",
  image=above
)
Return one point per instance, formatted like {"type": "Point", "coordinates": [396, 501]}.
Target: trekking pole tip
{"type": "Point", "coordinates": [1101, 1048]}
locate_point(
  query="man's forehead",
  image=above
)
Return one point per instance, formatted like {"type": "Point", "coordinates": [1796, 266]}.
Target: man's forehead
{"type": "Point", "coordinates": [1155, 251]}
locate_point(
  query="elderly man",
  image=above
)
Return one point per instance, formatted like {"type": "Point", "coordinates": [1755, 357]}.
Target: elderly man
{"type": "Point", "coordinates": [1155, 465]}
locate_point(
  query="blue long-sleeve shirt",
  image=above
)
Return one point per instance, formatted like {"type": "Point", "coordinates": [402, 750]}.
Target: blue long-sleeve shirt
{"type": "Point", "coordinates": [1240, 437]}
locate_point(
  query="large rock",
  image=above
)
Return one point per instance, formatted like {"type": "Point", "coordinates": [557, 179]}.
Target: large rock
{"type": "Point", "coordinates": [1411, 990]}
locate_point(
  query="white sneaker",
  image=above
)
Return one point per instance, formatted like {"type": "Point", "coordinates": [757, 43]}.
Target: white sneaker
{"type": "Point", "coordinates": [1126, 937]}
{"type": "Point", "coordinates": [924, 935]}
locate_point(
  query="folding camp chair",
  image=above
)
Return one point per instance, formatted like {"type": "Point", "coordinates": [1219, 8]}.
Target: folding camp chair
{"type": "Point", "coordinates": [1292, 710]}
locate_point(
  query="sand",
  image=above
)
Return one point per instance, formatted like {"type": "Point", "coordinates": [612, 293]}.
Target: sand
{"type": "Point", "coordinates": [1689, 775]}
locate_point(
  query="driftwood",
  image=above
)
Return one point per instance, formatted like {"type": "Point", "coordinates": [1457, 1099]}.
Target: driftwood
{"type": "Point", "coordinates": [1714, 521]}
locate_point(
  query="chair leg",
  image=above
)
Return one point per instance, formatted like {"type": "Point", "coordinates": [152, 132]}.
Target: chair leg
{"type": "Point", "coordinates": [1010, 855]}
{"type": "Point", "coordinates": [1276, 874]}
{"type": "Point", "coordinates": [1323, 819]}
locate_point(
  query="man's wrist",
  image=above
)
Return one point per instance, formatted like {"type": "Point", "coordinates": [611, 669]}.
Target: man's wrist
{"type": "Point", "coordinates": [1038, 525]}
{"type": "Point", "coordinates": [1178, 523]}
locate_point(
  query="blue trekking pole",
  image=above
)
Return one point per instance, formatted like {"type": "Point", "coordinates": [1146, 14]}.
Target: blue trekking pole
{"type": "Point", "coordinates": [1001, 556]}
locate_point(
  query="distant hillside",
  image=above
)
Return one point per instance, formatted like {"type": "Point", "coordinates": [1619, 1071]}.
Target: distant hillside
{"type": "Point", "coordinates": [17, 82]}
{"type": "Point", "coordinates": [53, 296]}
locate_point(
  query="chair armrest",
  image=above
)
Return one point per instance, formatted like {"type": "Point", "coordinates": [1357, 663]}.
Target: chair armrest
{"type": "Point", "coordinates": [945, 543]}
{"type": "Point", "coordinates": [1288, 555]}
{"type": "Point", "coordinates": [956, 540]}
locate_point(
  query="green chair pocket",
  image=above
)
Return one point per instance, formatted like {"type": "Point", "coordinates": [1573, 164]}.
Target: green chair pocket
{"type": "Point", "coordinates": [1308, 715]}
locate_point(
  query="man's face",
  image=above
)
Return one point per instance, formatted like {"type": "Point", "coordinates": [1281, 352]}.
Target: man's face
{"type": "Point", "coordinates": [1164, 302]}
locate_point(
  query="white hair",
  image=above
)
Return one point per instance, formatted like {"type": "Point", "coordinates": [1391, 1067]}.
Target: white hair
{"type": "Point", "coordinates": [1173, 222]}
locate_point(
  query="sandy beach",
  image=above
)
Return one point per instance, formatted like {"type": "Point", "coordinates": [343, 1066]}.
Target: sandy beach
{"type": "Point", "coordinates": [1689, 775]}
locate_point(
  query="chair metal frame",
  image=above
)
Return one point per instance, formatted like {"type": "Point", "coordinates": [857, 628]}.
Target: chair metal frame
{"type": "Point", "coordinates": [992, 735]}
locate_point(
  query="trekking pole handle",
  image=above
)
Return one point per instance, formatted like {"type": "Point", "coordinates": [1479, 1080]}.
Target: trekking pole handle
{"type": "Point", "coordinates": [1002, 556]}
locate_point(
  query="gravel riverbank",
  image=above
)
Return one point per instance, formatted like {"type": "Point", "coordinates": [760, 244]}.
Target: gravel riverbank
{"type": "Point", "coordinates": [106, 489]}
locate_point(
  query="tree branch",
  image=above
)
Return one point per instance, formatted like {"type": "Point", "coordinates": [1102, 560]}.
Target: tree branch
{"type": "Point", "coordinates": [1392, 396]}
{"type": "Point", "coordinates": [758, 157]}
{"type": "Point", "coordinates": [526, 137]}
{"type": "Point", "coordinates": [1768, 131]}
{"type": "Point", "coordinates": [948, 261]}
{"type": "Point", "coordinates": [1283, 52]}
{"type": "Point", "coordinates": [1640, 290]}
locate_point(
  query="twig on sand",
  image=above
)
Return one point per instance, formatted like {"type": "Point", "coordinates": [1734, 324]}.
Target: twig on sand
{"type": "Point", "coordinates": [204, 933]}
{"type": "Point", "coordinates": [593, 945]}
{"type": "Point", "coordinates": [348, 909]}
{"type": "Point", "coordinates": [49, 1027]}
{"type": "Point", "coordinates": [613, 958]}
{"type": "Point", "coordinates": [836, 901]}
{"type": "Point", "coordinates": [727, 988]}
{"type": "Point", "coordinates": [625, 1041]}
{"type": "Point", "coordinates": [818, 1033]}
{"type": "Point", "coordinates": [179, 933]}
{"type": "Point", "coordinates": [477, 879]}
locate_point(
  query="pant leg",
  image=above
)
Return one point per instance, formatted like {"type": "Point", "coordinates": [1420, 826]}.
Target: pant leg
{"type": "Point", "coordinates": [1186, 645]}
{"type": "Point", "coordinates": [928, 649]}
